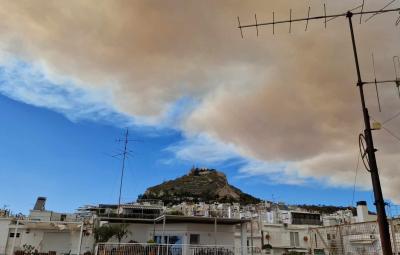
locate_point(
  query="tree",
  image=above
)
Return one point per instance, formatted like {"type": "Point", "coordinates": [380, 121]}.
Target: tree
{"type": "Point", "coordinates": [120, 231]}
{"type": "Point", "coordinates": [103, 234]}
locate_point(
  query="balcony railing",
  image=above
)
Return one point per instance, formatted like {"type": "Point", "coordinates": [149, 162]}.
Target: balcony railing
{"type": "Point", "coordinates": [172, 249]}
{"type": "Point", "coordinates": [149, 216]}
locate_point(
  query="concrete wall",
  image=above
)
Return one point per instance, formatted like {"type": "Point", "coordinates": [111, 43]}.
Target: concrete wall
{"type": "Point", "coordinates": [9, 242]}
{"type": "Point", "coordinates": [4, 232]}
{"type": "Point", "coordinates": [51, 216]}
{"type": "Point", "coordinates": [279, 237]}
{"type": "Point", "coordinates": [40, 215]}
{"type": "Point", "coordinates": [140, 233]}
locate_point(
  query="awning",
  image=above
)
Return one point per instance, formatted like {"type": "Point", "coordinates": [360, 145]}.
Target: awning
{"type": "Point", "coordinates": [199, 219]}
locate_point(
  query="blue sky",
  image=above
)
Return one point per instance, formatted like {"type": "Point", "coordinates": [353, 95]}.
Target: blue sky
{"type": "Point", "coordinates": [43, 153]}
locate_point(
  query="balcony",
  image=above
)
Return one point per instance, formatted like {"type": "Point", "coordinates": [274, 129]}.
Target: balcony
{"type": "Point", "coordinates": [172, 249]}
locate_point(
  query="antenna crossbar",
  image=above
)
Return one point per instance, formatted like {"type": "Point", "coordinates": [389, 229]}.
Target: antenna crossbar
{"type": "Point", "coordinates": [380, 82]}
{"type": "Point", "coordinates": [274, 22]}
{"type": "Point", "coordinates": [380, 11]}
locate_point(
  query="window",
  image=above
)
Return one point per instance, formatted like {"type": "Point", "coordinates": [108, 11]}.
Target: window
{"type": "Point", "coordinates": [12, 235]}
{"type": "Point", "coordinates": [168, 239]}
{"type": "Point", "coordinates": [63, 217]}
{"type": "Point", "coordinates": [328, 236]}
{"type": "Point", "coordinates": [294, 239]}
{"type": "Point", "coordinates": [194, 239]}
{"type": "Point", "coordinates": [159, 239]}
{"type": "Point", "coordinates": [174, 240]}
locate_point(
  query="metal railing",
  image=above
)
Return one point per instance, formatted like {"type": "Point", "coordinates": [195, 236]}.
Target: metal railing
{"type": "Point", "coordinates": [171, 249]}
{"type": "Point", "coordinates": [144, 215]}
{"type": "Point", "coordinates": [353, 239]}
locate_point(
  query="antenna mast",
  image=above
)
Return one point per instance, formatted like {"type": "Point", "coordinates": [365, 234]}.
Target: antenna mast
{"type": "Point", "coordinates": [367, 148]}
{"type": "Point", "coordinates": [124, 155]}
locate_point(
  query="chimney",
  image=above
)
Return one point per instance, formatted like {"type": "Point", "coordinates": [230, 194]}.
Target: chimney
{"type": "Point", "coordinates": [40, 204]}
{"type": "Point", "coordinates": [362, 211]}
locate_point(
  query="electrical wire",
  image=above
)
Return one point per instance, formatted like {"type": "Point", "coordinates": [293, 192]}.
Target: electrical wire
{"type": "Point", "coordinates": [355, 179]}
{"type": "Point", "coordinates": [391, 118]}
{"type": "Point", "coordinates": [391, 133]}
{"type": "Point", "coordinates": [388, 130]}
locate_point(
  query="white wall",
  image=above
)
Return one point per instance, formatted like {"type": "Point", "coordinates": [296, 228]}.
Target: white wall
{"type": "Point", "coordinates": [56, 241]}
{"type": "Point", "coordinates": [12, 229]}
{"type": "Point", "coordinates": [46, 240]}
{"type": "Point", "coordinates": [363, 214]}
{"type": "Point", "coordinates": [40, 215]}
{"type": "Point", "coordinates": [4, 232]}
{"type": "Point", "coordinates": [140, 233]}
{"type": "Point", "coordinates": [279, 237]}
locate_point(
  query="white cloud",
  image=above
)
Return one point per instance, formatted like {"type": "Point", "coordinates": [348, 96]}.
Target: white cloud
{"type": "Point", "coordinates": [28, 83]}
{"type": "Point", "coordinates": [281, 173]}
{"type": "Point", "coordinates": [202, 149]}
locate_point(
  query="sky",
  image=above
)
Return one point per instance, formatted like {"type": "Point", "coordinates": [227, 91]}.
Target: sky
{"type": "Point", "coordinates": [279, 114]}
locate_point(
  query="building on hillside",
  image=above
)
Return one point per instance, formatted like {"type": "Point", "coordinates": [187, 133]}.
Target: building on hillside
{"type": "Point", "coordinates": [145, 209]}
{"type": "Point", "coordinates": [220, 210]}
{"type": "Point", "coordinates": [338, 218]}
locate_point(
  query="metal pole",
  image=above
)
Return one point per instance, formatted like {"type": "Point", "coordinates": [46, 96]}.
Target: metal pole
{"type": "Point", "coordinates": [154, 230]}
{"type": "Point", "coordinates": [122, 169]}
{"type": "Point", "coordinates": [241, 239]}
{"type": "Point", "coordinates": [251, 236]}
{"type": "Point", "coordinates": [215, 231]}
{"type": "Point", "coordinates": [215, 235]}
{"type": "Point", "coordinates": [15, 236]}
{"type": "Point", "coordinates": [163, 238]}
{"type": "Point", "coordinates": [163, 231]}
{"type": "Point", "coordinates": [341, 239]}
{"type": "Point", "coordinates": [376, 185]}
{"type": "Point", "coordinates": [80, 240]}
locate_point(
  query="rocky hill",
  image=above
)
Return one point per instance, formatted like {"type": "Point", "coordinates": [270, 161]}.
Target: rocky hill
{"type": "Point", "coordinates": [206, 185]}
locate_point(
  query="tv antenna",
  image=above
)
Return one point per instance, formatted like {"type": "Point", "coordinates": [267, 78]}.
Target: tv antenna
{"type": "Point", "coordinates": [367, 148]}
{"type": "Point", "coordinates": [123, 155]}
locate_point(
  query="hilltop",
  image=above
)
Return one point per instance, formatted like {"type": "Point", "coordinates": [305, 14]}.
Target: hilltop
{"type": "Point", "coordinates": [199, 185]}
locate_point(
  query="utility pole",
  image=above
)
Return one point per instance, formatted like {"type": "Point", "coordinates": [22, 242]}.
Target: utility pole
{"type": "Point", "coordinates": [366, 143]}
{"type": "Point", "coordinates": [370, 150]}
